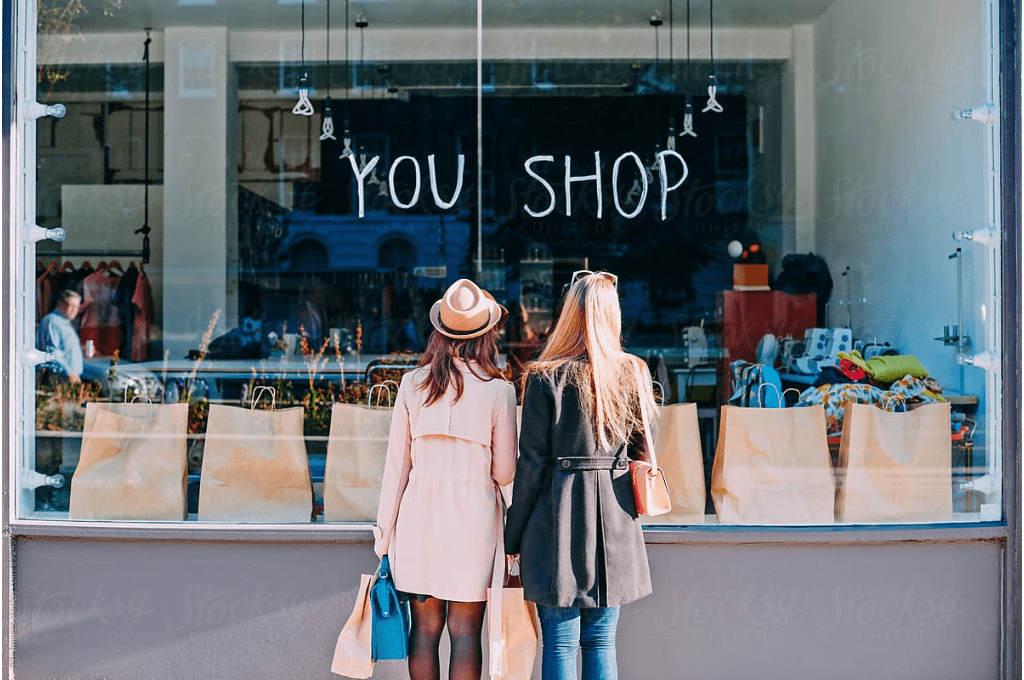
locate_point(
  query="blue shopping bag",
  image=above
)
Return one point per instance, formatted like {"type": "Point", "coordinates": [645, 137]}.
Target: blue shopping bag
{"type": "Point", "coordinates": [390, 617]}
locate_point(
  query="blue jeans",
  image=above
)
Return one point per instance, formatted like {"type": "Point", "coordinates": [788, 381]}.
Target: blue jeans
{"type": "Point", "coordinates": [565, 630]}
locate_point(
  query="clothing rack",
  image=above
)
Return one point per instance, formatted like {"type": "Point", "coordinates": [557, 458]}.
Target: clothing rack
{"type": "Point", "coordinates": [93, 253]}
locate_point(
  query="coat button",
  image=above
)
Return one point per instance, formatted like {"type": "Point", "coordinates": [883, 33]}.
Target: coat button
{"type": "Point", "coordinates": [565, 463]}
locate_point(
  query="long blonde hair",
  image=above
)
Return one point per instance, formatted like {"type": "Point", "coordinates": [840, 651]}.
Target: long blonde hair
{"type": "Point", "coordinates": [585, 350]}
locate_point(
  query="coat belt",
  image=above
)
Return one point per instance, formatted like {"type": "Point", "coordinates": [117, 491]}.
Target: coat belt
{"type": "Point", "coordinates": [573, 463]}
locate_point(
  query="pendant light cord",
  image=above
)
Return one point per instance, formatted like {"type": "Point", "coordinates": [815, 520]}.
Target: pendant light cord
{"type": "Point", "coordinates": [348, 67]}
{"type": "Point", "coordinates": [145, 228]}
{"type": "Point", "coordinates": [689, 72]}
{"type": "Point", "coordinates": [328, 87]}
{"type": "Point", "coordinates": [711, 16]}
{"type": "Point", "coordinates": [671, 43]}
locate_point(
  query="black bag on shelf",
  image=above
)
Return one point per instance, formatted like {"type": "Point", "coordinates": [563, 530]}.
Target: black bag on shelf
{"type": "Point", "coordinates": [806, 273]}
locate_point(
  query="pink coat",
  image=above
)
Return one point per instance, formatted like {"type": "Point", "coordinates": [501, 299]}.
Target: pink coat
{"type": "Point", "coordinates": [440, 516]}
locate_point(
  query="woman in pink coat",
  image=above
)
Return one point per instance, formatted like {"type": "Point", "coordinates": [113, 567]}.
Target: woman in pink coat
{"type": "Point", "coordinates": [452, 444]}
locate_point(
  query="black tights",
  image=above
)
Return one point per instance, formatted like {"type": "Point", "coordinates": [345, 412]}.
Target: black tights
{"type": "Point", "coordinates": [465, 622]}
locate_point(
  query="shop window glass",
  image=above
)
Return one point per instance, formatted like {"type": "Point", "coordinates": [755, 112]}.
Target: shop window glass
{"type": "Point", "coordinates": [795, 248]}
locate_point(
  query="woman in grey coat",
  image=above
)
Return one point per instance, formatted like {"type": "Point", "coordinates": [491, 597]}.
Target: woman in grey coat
{"type": "Point", "coordinates": [573, 518]}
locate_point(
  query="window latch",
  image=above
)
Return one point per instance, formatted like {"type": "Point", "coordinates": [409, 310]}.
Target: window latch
{"type": "Point", "coordinates": [985, 237]}
{"type": "Point", "coordinates": [31, 479]}
{"type": "Point", "coordinates": [986, 361]}
{"type": "Point", "coordinates": [34, 357]}
{"type": "Point", "coordinates": [37, 233]}
{"type": "Point", "coordinates": [37, 110]}
{"type": "Point", "coordinates": [986, 113]}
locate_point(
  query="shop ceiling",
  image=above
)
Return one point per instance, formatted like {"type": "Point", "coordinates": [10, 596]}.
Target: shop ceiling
{"type": "Point", "coordinates": [131, 15]}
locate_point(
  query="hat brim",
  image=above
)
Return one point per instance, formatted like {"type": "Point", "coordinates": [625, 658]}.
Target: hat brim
{"type": "Point", "coordinates": [504, 312]}
{"type": "Point", "coordinates": [493, 316]}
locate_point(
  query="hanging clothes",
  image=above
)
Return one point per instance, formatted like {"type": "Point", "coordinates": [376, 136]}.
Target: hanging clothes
{"type": "Point", "coordinates": [123, 295]}
{"type": "Point", "coordinates": [142, 324]}
{"type": "Point", "coordinates": [44, 291]}
{"type": "Point", "coordinates": [99, 315]}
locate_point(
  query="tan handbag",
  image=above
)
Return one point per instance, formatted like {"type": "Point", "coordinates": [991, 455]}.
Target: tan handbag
{"type": "Point", "coordinates": [772, 466]}
{"type": "Point", "coordinates": [650, 487]}
{"type": "Point", "coordinates": [133, 464]}
{"type": "Point", "coordinates": [895, 467]}
{"type": "Point", "coordinates": [353, 656]}
{"type": "Point", "coordinates": [679, 454]}
{"type": "Point", "coordinates": [356, 450]}
{"type": "Point", "coordinates": [255, 467]}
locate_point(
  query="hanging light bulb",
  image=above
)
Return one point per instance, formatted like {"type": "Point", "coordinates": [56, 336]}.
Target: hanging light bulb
{"type": "Point", "coordinates": [671, 143]}
{"type": "Point", "coordinates": [303, 107]}
{"type": "Point", "coordinates": [712, 104]}
{"type": "Point", "coordinates": [688, 108]}
{"type": "Point", "coordinates": [688, 119]}
{"type": "Point", "coordinates": [327, 124]}
{"type": "Point", "coordinates": [327, 127]}
{"type": "Point", "coordinates": [346, 139]}
{"type": "Point", "coordinates": [346, 135]}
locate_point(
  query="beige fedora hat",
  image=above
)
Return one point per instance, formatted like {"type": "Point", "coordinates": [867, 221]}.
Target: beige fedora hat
{"type": "Point", "coordinates": [465, 311]}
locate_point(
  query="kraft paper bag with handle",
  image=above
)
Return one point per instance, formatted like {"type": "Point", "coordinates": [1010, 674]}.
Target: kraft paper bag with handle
{"type": "Point", "coordinates": [520, 632]}
{"type": "Point", "coordinates": [895, 467]}
{"type": "Point", "coordinates": [679, 455]}
{"type": "Point", "coordinates": [772, 466]}
{"type": "Point", "coordinates": [353, 651]}
{"type": "Point", "coordinates": [133, 463]}
{"type": "Point", "coordinates": [255, 467]}
{"type": "Point", "coordinates": [356, 451]}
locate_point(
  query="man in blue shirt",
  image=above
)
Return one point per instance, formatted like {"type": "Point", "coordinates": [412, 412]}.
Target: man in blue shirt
{"type": "Point", "coordinates": [58, 337]}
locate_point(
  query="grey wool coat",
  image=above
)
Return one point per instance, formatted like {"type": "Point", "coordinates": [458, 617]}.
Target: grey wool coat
{"type": "Point", "coordinates": [576, 530]}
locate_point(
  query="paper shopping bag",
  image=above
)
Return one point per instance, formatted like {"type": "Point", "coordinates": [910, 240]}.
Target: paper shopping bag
{"type": "Point", "coordinates": [679, 456]}
{"type": "Point", "coordinates": [895, 467]}
{"type": "Point", "coordinates": [133, 464]}
{"type": "Point", "coordinates": [772, 467]}
{"type": "Point", "coordinates": [255, 467]}
{"type": "Point", "coordinates": [520, 633]}
{"type": "Point", "coordinates": [352, 652]}
{"type": "Point", "coordinates": [356, 451]}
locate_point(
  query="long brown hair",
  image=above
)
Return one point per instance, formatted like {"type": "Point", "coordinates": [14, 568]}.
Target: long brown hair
{"type": "Point", "coordinates": [585, 350]}
{"type": "Point", "coordinates": [479, 352]}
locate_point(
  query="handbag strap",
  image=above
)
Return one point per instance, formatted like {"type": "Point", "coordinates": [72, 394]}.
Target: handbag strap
{"type": "Point", "coordinates": [644, 420]}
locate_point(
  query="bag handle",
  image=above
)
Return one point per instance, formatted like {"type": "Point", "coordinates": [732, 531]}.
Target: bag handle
{"type": "Point", "coordinates": [379, 388]}
{"type": "Point", "coordinates": [782, 402]}
{"type": "Point", "coordinates": [380, 595]}
{"type": "Point", "coordinates": [661, 391]}
{"type": "Point", "coordinates": [644, 420]}
{"type": "Point", "coordinates": [256, 393]}
{"type": "Point", "coordinates": [787, 391]}
{"type": "Point", "coordinates": [137, 397]}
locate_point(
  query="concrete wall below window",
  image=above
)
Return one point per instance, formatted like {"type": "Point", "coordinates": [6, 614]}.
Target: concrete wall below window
{"type": "Point", "coordinates": [144, 609]}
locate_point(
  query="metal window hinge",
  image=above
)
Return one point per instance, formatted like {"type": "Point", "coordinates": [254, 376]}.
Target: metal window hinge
{"type": "Point", "coordinates": [986, 361]}
{"type": "Point", "coordinates": [986, 113]}
{"type": "Point", "coordinates": [34, 357]}
{"type": "Point", "coordinates": [986, 237]}
{"type": "Point", "coordinates": [31, 479]}
{"type": "Point", "coordinates": [37, 233]}
{"type": "Point", "coordinates": [37, 110]}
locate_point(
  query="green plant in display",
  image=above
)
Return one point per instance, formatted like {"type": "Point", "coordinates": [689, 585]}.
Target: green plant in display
{"type": "Point", "coordinates": [60, 406]}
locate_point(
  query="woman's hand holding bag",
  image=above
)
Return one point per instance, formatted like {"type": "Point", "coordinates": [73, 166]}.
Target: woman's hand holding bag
{"type": "Point", "coordinates": [390, 617]}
